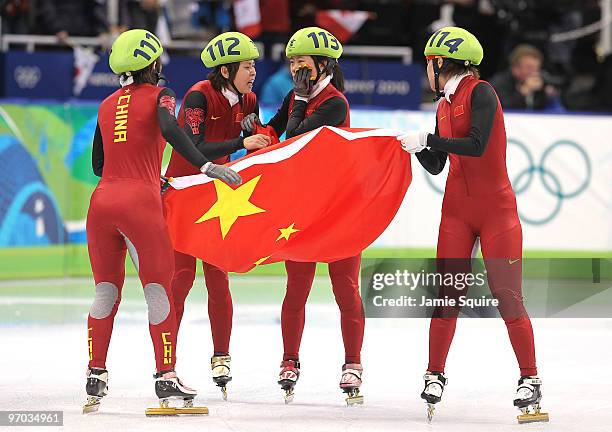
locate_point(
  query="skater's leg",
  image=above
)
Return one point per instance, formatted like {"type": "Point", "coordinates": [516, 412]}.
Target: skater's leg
{"type": "Point", "coordinates": [182, 281]}
{"type": "Point", "coordinates": [220, 308]}
{"type": "Point", "coordinates": [107, 252]}
{"type": "Point", "coordinates": [344, 275]}
{"type": "Point", "coordinates": [156, 266]}
{"type": "Point", "coordinates": [220, 311]}
{"type": "Point", "coordinates": [503, 252]}
{"type": "Point", "coordinates": [455, 243]}
{"type": "Point", "coordinates": [300, 276]}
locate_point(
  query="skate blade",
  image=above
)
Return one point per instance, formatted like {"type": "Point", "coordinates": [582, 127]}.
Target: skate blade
{"type": "Point", "coordinates": [354, 400]}
{"type": "Point", "coordinates": [150, 412]}
{"type": "Point", "coordinates": [91, 408]}
{"type": "Point", "coordinates": [289, 396]}
{"type": "Point", "coordinates": [533, 417]}
{"type": "Point", "coordinates": [430, 412]}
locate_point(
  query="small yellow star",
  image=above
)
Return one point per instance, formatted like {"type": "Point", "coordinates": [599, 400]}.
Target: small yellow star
{"type": "Point", "coordinates": [232, 204]}
{"type": "Point", "coordinates": [286, 232]}
{"type": "Point", "coordinates": [260, 261]}
{"type": "Point", "coordinates": [126, 91]}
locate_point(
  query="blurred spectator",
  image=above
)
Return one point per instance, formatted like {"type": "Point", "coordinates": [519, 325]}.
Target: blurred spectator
{"type": "Point", "coordinates": [140, 14]}
{"type": "Point", "coordinates": [276, 87]}
{"type": "Point", "coordinates": [522, 87]}
{"type": "Point", "coordinates": [275, 22]}
{"type": "Point", "coordinates": [65, 18]}
{"type": "Point", "coordinates": [213, 15]}
{"type": "Point", "coordinates": [16, 16]}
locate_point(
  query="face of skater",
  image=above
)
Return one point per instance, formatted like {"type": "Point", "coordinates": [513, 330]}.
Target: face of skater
{"type": "Point", "coordinates": [245, 76]}
{"type": "Point", "coordinates": [431, 76]}
{"type": "Point", "coordinates": [297, 62]}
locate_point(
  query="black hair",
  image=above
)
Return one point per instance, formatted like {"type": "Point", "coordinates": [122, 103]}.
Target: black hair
{"type": "Point", "coordinates": [452, 67]}
{"type": "Point", "coordinates": [218, 81]}
{"type": "Point", "coordinates": [331, 67]}
{"type": "Point", "coordinates": [147, 75]}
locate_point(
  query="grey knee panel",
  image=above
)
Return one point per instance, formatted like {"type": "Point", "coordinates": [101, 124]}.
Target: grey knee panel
{"type": "Point", "coordinates": [157, 303]}
{"type": "Point", "coordinates": [106, 296]}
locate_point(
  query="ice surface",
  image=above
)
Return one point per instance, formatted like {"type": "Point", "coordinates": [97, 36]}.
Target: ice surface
{"type": "Point", "coordinates": [43, 368]}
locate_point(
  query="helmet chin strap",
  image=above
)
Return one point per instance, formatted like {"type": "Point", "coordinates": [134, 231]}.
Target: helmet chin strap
{"type": "Point", "coordinates": [328, 69]}
{"type": "Point", "coordinates": [233, 86]}
{"type": "Point", "coordinates": [437, 70]}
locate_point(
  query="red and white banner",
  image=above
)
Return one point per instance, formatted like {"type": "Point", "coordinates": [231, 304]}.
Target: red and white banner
{"type": "Point", "coordinates": [248, 17]}
{"type": "Point", "coordinates": [343, 24]}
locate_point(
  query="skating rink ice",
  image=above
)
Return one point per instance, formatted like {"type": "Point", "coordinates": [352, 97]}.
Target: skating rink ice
{"type": "Point", "coordinates": [44, 355]}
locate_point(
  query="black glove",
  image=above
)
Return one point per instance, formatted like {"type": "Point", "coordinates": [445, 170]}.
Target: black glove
{"type": "Point", "coordinates": [221, 172]}
{"type": "Point", "coordinates": [165, 183]}
{"type": "Point", "coordinates": [248, 123]}
{"type": "Point", "coordinates": [302, 84]}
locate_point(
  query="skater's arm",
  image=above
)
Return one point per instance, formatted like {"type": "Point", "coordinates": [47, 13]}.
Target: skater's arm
{"type": "Point", "coordinates": [97, 153]}
{"type": "Point", "coordinates": [279, 121]}
{"type": "Point", "coordinates": [432, 160]}
{"type": "Point", "coordinates": [484, 106]}
{"type": "Point", "coordinates": [332, 112]}
{"type": "Point", "coordinates": [176, 137]}
{"type": "Point", "coordinates": [195, 109]}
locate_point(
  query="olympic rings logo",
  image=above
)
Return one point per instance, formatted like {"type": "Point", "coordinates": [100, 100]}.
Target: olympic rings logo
{"type": "Point", "coordinates": [549, 179]}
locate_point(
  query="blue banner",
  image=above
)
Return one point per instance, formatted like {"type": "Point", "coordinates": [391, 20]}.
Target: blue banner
{"type": "Point", "coordinates": [53, 76]}
{"type": "Point", "coordinates": [38, 75]}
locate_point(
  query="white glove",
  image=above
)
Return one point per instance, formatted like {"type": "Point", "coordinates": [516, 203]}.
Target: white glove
{"type": "Point", "coordinates": [221, 172]}
{"type": "Point", "coordinates": [413, 141]}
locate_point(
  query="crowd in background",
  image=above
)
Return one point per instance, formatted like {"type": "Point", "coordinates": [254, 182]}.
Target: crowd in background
{"type": "Point", "coordinates": [528, 68]}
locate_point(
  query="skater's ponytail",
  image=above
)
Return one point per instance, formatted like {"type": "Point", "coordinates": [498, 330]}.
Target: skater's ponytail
{"type": "Point", "coordinates": [331, 67]}
{"type": "Point", "coordinates": [338, 78]}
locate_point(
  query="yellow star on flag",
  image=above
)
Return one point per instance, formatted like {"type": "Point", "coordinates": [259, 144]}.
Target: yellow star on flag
{"type": "Point", "coordinates": [261, 260]}
{"type": "Point", "coordinates": [232, 204]}
{"type": "Point", "coordinates": [286, 232]}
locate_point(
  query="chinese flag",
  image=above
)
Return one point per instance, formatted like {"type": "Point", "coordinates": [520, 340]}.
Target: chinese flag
{"type": "Point", "coordinates": [322, 196]}
{"type": "Point", "coordinates": [342, 23]}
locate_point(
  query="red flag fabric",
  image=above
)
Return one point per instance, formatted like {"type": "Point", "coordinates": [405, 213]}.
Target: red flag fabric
{"type": "Point", "coordinates": [343, 24]}
{"type": "Point", "coordinates": [322, 196]}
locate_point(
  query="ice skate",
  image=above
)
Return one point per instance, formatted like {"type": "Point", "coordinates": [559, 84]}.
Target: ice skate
{"type": "Point", "coordinates": [527, 400]}
{"type": "Point", "coordinates": [288, 377]}
{"type": "Point", "coordinates": [96, 388]}
{"type": "Point", "coordinates": [221, 372]}
{"type": "Point", "coordinates": [350, 383]}
{"type": "Point", "coordinates": [432, 393]}
{"type": "Point", "coordinates": [169, 386]}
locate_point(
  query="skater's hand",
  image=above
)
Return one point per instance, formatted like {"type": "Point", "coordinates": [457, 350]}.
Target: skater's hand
{"type": "Point", "coordinates": [302, 84]}
{"type": "Point", "coordinates": [221, 172]}
{"type": "Point", "coordinates": [256, 142]}
{"type": "Point", "coordinates": [249, 122]}
{"type": "Point", "coordinates": [413, 141]}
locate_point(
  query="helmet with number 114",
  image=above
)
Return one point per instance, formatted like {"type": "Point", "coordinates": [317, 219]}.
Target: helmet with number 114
{"type": "Point", "coordinates": [452, 45]}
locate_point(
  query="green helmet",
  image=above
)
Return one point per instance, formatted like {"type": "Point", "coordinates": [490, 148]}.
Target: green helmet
{"type": "Point", "coordinates": [229, 47]}
{"type": "Point", "coordinates": [313, 41]}
{"type": "Point", "coordinates": [134, 50]}
{"type": "Point", "coordinates": [455, 43]}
